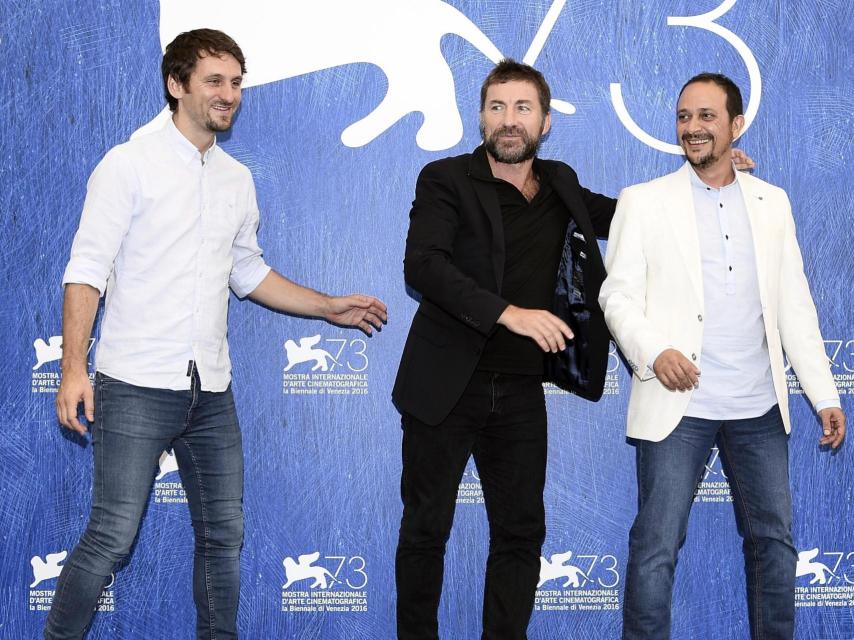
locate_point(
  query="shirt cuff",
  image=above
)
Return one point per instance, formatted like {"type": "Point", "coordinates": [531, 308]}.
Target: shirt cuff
{"type": "Point", "coordinates": [84, 271]}
{"type": "Point", "coordinates": [248, 279]}
{"type": "Point", "coordinates": [827, 404]}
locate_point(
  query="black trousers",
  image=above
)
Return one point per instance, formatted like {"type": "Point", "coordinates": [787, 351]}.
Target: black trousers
{"type": "Point", "coordinates": [501, 421]}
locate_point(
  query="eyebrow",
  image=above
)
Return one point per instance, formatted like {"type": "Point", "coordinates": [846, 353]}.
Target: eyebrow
{"type": "Point", "coordinates": [522, 101]}
{"type": "Point", "coordinates": [219, 76]}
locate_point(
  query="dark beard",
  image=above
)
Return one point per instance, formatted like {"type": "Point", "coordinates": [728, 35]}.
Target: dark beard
{"type": "Point", "coordinates": [703, 162]}
{"type": "Point", "coordinates": [515, 156]}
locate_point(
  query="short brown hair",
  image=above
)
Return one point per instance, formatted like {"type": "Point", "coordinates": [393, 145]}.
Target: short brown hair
{"type": "Point", "coordinates": [182, 54]}
{"type": "Point", "coordinates": [734, 103]}
{"type": "Point", "coordinates": [508, 70]}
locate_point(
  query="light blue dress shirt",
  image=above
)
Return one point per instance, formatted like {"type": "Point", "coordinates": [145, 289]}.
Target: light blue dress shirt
{"type": "Point", "coordinates": [735, 380]}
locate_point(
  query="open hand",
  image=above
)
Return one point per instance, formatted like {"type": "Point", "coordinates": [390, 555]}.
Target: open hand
{"type": "Point", "coordinates": [357, 310]}
{"type": "Point", "coordinates": [543, 327]}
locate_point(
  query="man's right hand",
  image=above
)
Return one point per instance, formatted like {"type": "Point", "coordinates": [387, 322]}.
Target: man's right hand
{"type": "Point", "coordinates": [74, 389]}
{"type": "Point", "coordinates": [675, 371]}
{"type": "Point", "coordinates": [544, 328]}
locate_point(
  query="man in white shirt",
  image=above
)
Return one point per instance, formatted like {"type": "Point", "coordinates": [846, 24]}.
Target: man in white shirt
{"type": "Point", "coordinates": [169, 224]}
{"type": "Point", "coordinates": [705, 275]}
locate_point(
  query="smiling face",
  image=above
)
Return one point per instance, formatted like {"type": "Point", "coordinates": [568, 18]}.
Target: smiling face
{"type": "Point", "coordinates": [512, 121]}
{"type": "Point", "coordinates": [703, 125]}
{"type": "Point", "coordinates": [209, 100]}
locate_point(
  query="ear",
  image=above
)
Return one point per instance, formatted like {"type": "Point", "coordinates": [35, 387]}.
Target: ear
{"type": "Point", "coordinates": [547, 123]}
{"type": "Point", "coordinates": [176, 89]}
{"type": "Point", "coordinates": [737, 126]}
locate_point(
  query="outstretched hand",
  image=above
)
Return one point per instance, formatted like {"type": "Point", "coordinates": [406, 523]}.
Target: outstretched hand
{"type": "Point", "coordinates": [357, 310]}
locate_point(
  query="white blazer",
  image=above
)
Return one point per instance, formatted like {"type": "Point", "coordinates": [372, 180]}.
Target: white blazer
{"type": "Point", "coordinates": [653, 295]}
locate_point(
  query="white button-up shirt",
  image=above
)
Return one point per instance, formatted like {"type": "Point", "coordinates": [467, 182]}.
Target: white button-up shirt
{"type": "Point", "coordinates": [736, 369]}
{"type": "Point", "coordinates": [164, 232]}
{"type": "Point", "coordinates": [736, 380]}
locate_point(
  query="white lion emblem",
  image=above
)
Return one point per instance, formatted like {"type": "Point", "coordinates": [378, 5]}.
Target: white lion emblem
{"type": "Point", "coordinates": [302, 570]}
{"type": "Point", "coordinates": [287, 39]}
{"type": "Point", "coordinates": [48, 568]}
{"type": "Point", "coordinates": [305, 352]}
{"type": "Point", "coordinates": [806, 566]}
{"type": "Point", "coordinates": [555, 568]}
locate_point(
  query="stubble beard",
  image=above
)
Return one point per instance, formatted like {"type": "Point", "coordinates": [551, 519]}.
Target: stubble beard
{"type": "Point", "coordinates": [215, 126]}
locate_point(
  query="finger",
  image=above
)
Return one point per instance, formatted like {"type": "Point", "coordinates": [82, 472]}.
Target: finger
{"type": "Point", "coordinates": [366, 327]}
{"type": "Point", "coordinates": [369, 302]}
{"type": "Point", "coordinates": [382, 314]}
{"type": "Point", "coordinates": [828, 429]}
{"type": "Point", "coordinates": [89, 404]}
{"type": "Point", "coordinates": [689, 375]}
{"type": "Point", "coordinates": [837, 431]}
{"type": "Point", "coordinates": [374, 319]}
{"type": "Point", "coordinates": [60, 411]}
{"type": "Point", "coordinates": [69, 413]}
{"type": "Point", "coordinates": [542, 342]}
{"type": "Point", "coordinates": [77, 426]}
{"type": "Point", "coordinates": [552, 341]}
{"type": "Point", "coordinates": [558, 332]}
{"type": "Point", "coordinates": [666, 379]}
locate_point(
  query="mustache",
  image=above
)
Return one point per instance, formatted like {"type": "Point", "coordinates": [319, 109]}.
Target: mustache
{"type": "Point", "coordinates": [689, 137]}
{"type": "Point", "coordinates": [512, 131]}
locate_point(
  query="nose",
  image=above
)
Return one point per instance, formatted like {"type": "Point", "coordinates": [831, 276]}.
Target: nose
{"type": "Point", "coordinates": [229, 93]}
{"type": "Point", "coordinates": [509, 118]}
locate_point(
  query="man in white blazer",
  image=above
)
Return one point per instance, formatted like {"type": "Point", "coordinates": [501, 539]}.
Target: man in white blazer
{"type": "Point", "coordinates": [705, 289]}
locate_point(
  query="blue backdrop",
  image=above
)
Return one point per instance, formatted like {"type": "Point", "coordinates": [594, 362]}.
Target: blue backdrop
{"type": "Point", "coordinates": [345, 102]}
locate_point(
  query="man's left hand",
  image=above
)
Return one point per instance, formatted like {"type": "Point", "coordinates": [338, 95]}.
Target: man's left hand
{"type": "Point", "coordinates": [357, 310]}
{"type": "Point", "coordinates": [832, 426]}
{"type": "Point", "coordinates": [742, 161]}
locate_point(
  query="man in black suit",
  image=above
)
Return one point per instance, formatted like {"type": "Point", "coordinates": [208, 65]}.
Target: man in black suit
{"type": "Point", "coordinates": [496, 238]}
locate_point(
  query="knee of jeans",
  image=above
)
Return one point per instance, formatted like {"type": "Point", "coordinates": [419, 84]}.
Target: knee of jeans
{"type": "Point", "coordinates": [99, 552]}
{"type": "Point", "coordinates": [225, 535]}
{"type": "Point", "coordinates": [651, 546]}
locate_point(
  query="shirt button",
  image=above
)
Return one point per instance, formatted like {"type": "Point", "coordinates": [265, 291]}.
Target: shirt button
{"type": "Point", "coordinates": [700, 317]}
{"type": "Point", "coordinates": [693, 356]}
{"type": "Point", "coordinates": [721, 205]}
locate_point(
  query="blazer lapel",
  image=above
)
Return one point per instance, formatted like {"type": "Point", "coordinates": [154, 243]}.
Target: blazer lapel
{"type": "Point", "coordinates": [488, 198]}
{"type": "Point", "coordinates": [683, 223]}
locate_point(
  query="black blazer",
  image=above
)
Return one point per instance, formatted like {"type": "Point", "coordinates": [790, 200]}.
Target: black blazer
{"type": "Point", "coordinates": [455, 260]}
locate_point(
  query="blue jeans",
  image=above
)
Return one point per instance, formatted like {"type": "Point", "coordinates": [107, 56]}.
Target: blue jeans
{"type": "Point", "coordinates": [133, 426]}
{"type": "Point", "coordinates": [755, 457]}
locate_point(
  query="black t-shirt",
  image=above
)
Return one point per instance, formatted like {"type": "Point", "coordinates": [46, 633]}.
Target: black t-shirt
{"type": "Point", "coordinates": [534, 234]}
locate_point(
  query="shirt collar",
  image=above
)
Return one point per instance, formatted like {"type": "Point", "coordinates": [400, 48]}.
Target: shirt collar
{"type": "Point", "coordinates": [479, 167]}
{"type": "Point", "coordinates": [698, 183]}
{"type": "Point", "coordinates": [185, 149]}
